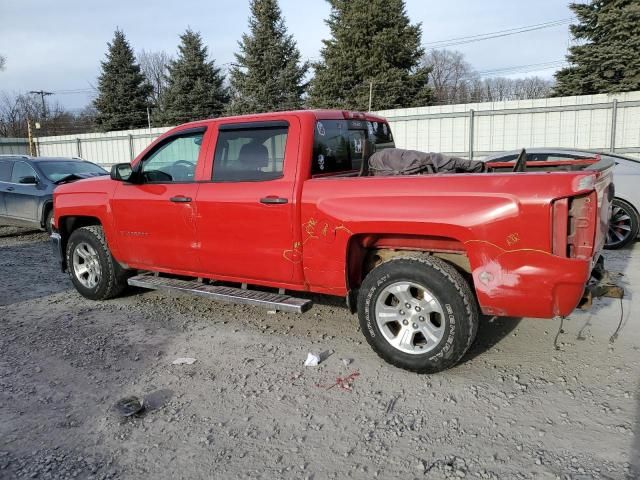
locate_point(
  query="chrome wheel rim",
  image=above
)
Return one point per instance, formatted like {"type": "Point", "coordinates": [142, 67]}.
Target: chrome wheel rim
{"type": "Point", "coordinates": [620, 225]}
{"type": "Point", "coordinates": [410, 317]}
{"type": "Point", "coordinates": [86, 265]}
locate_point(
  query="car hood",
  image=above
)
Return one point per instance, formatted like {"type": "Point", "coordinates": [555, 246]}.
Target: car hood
{"type": "Point", "coordinates": [91, 184]}
{"type": "Point", "coordinates": [74, 177]}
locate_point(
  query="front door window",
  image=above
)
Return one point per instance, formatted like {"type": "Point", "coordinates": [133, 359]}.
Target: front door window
{"type": "Point", "coordinates": [21, 172]}
{"type": "Point", "coordinates": [174, 161]}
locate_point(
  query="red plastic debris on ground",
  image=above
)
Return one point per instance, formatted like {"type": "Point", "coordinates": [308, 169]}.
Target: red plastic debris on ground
{"type": "Point", "coordinates": [345, 383]}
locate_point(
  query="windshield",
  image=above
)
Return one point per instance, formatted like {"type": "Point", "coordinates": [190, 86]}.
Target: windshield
{"type": "Point", "coordinates": [56, 170]}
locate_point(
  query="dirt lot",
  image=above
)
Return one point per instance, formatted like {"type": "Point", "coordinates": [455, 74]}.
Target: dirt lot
{"type": "Point", "coordinates": [515, 408]}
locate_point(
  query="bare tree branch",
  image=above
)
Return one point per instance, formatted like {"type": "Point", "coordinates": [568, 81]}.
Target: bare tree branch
{"type": "Point", "coordinates": [449, 76]}
{"type": "Point", "coordinates": [455, 81]}
{"type": "Point", "coordinates": [16, 109]}
{"type": "Point", "coordinates": [154, 66]}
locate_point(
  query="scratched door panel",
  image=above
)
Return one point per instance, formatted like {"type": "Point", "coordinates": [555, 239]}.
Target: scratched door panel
{"type": "Point", "coordinates": [153, 230]}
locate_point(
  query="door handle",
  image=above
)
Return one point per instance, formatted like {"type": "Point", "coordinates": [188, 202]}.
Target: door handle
{"type": "Point", "coordinates": [272, 199]}
{"type": "Point", "coordinates": [10, 189]}
{"type": "Point", "coordinates": [180, 199]}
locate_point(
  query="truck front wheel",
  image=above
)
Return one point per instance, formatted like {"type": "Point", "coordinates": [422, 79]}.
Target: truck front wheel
{"type": "Point", "coordinates": [418, 313]}
{"type": "Point", "coordinates": [94, 272]}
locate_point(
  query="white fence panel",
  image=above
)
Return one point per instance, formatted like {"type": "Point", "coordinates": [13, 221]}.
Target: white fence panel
{"type": "Point", "coordinates": [101, 148]}
{"type": "Point", "coordinates": [584, 122]}
{"type": "Point", "coordinates": [476, 129]}
{"type": "Point", "coordinates": [15, 146]}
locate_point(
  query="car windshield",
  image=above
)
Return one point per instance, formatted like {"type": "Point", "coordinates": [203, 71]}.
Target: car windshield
{"type": "Point", "coordinates": [57, 170]}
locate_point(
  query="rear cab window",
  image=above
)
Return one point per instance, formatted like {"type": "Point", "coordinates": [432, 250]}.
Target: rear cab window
{"type": "Point", "coordinates": [341, 146]}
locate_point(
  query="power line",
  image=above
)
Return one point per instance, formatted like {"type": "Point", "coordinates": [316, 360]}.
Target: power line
{"type": "Point", "coordinates": [500, 33]}
{"type": "Point", "coordinates": [532, 67]}
{"type": "Point", "coordinates": [74, 91]}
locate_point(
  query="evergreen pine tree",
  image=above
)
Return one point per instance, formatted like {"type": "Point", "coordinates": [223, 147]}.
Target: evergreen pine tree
{"type": "Point", "coordinates": [123, 92]}
{"type": "Point", "coordinates": [268, 75]}
{"type": "Point", "coordinates": [372, 42]}
{"type": "Point", "coordinates": [195, 88]}
{"type": "Point", "coordinates": [607, 59]}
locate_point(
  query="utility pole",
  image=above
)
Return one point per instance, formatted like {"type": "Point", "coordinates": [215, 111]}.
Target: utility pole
{"type": "Point", "coordinates": [370, 94]}
{"type": "Point", "coordinates": [30, 134]}
{"type": "Point", "coordinates": [149, 118]}
{"type": "Point", "coordinates": [42, 94]}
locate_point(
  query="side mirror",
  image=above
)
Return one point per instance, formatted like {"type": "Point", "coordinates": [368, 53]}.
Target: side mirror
{"type": "Point", "coordinates": [121, 172]}
{"type": "Point", "coordinates": [30, 180]}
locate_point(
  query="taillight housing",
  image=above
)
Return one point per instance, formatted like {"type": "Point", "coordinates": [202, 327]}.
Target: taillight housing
{"type": "Point", "coordinates": [582, 225]}
{"type": "Point", "coordinates": [574, 226]}
{"type": "Point", "coordinates": [560, 227]}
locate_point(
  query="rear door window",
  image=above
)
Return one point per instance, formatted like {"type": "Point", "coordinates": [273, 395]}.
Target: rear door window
{"type": "Point", "coordinates": [250, 153]}
{"type": "Point", "coordinates": [5, 170]}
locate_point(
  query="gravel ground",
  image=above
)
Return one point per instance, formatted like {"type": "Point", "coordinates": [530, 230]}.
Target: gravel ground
{"type": "Point", "coordinates": [516, 407]}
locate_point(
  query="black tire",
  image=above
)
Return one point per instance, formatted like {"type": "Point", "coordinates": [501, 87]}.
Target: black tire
{"type": "Point", "coordinates": [112, 278]}
{"type": "Point", "coordinates": [623, 225]}
{"type": "Point", "coordinates": [47, 221]}
{"type": "Point", "coordinates": [459, 323]}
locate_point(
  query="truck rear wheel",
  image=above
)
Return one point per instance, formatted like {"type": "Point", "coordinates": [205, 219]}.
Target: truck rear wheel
{"type": "Point", "coordinates": [94, 272]}
{"type": "Point", "coordinates": [418, 313]}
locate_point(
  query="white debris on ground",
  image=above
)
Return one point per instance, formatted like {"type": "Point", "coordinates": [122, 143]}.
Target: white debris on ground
{"type": "Point", "coordinates": [184, 361]}
{"type": "Point", "coordinates": [313, 360]}
{"type": "Point", "coordinates": [515, 408]}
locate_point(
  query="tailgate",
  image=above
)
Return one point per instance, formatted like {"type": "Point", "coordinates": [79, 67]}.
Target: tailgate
{"type": "Point", "coordinates": [605, 192]}
{"type": "Point", "coordinates": [581, 221]}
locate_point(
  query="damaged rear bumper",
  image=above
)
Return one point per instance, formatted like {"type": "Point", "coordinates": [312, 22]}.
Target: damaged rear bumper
{"type": "Point", "coordinates": [536, 284]}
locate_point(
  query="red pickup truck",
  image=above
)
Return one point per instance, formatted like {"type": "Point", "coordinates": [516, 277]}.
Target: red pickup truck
{"type": "Point", "coordinates": [245, 208]}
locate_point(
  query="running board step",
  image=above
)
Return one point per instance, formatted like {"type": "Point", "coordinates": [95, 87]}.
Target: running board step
{"type": "Point", "coordinates": [284, 303]}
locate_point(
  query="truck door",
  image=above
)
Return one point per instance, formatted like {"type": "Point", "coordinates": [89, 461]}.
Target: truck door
{"type": "Point", "coordinates": [155, 217]}
{"type": "Point", "coordinates": [246, 210]}
{"type": "Point", "coordinates": [21, 197]}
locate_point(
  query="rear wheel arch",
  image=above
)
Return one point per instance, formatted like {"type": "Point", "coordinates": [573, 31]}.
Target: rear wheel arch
{"type": "Point", "coordinates": [367, 251]}
{"type": "Point", "coordinates": [46, 208]}
{"type": "Point", "coordinates": [46, 215]}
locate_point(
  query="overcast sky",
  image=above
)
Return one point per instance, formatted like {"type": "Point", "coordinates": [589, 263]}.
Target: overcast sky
{"type": "Point", "coordinates": [58, 45]}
